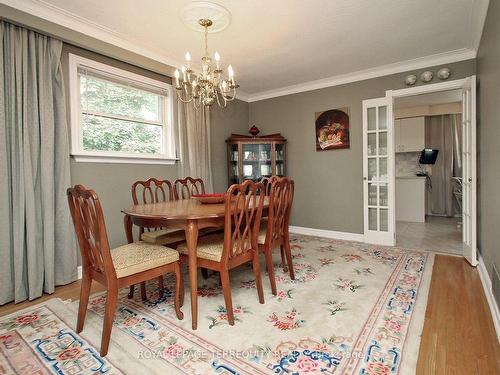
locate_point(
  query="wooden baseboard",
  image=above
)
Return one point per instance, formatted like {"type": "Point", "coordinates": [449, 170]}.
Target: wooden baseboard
{"type": "Point", "coordinates": [486, 281]}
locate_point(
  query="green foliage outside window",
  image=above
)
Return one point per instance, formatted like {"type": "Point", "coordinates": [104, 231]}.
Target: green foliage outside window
{"type": "Point", "coordinates": [110, 134]}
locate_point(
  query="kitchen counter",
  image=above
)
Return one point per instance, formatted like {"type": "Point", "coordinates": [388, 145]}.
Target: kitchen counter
{"type": "Point", "coordinates": [410, 198]}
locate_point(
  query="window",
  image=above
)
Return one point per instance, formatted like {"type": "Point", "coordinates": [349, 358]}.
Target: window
{"type": "Point", "coordinates": [118, 116]}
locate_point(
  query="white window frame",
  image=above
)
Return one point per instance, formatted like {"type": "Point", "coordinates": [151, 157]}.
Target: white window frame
{"type": "Point", "coordinates": [168, 156]}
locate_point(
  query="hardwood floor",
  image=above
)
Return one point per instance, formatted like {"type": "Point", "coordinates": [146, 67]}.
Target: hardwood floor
{"type": "Point", "coordinates": [458, 337]}
{"type": "Point", "coordinates": [65, 292]}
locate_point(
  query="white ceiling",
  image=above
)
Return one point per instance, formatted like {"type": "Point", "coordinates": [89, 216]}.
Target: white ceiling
{"type": "Point", "coordinates": [280, 43]}
{"type": "Point", "coordinates": [451, 96]}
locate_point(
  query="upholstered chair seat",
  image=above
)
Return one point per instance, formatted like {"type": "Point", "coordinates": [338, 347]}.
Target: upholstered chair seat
{"type": "Point", "coordinates": [209, 247]}
{"type": "Point", "coordinates": [165, 236]}
{"type": "Point", "coordinates": [141, 256]}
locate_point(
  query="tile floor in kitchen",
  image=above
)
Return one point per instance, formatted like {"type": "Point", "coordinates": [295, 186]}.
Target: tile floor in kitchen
{"type": "Point", "coordinates": [439, 234]}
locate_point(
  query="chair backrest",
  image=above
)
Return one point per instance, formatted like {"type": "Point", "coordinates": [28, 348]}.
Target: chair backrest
{"type": "Point", "coordinates": [90, 229]}
{"type": "Point", "coordinates": [244, 203]}
{"type": "Point", "coordinates": [186, 187]}
{"type": "Point", "coordinates": [280, 205]}
{"type": "Point", "coordinates": [268, 183]}
{"type": "Point", "coordinates": [152, 191]}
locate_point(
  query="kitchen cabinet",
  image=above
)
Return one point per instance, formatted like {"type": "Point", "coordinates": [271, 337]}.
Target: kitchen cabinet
{"type": "Point", "coordinates": [409, 134]}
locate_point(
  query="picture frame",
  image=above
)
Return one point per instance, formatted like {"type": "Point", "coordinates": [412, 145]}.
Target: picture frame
{"type": "Point", "coordinates": [332, 129]}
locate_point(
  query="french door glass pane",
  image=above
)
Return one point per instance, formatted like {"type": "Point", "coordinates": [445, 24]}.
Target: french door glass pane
{"type": "Point", "coordinates": [383, 195]}
{"type": "Point", "coordinates": [372, 144]}
{"type": "Point", "coordinates": [382, 143]}
{"type": "Point", "coordinates": [372, 219]}
{"type": "Point", "coordinates": [383, 169]}
{"type": "Point", "coordinates": [372, 168]}
{"type": "Point", "coordinates": [382, 117]}
{"type": "Point", "coordinates": [372, 118]}
{"type": "Point", "coordinates": [372, 194]}
{"type": "Point", "coordinates": [384, 220]}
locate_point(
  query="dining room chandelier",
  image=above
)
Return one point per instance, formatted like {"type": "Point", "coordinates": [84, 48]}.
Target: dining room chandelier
{"type": "Point", "coordinates": [209, 85]}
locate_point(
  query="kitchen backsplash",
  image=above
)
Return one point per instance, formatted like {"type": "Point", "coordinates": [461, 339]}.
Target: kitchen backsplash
{"type": "Point", "coordinates": [407, 163]}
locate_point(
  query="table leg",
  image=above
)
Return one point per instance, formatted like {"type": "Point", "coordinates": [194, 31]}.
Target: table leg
{"type": "Point", "coordinates": [127, 223]}
{"type": "Point", "coordinates": [192, 241]}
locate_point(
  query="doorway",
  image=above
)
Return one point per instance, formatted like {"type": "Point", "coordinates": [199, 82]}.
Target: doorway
{"type": "Point", "coordinates": [383, 139]}
{"type": "Point", "coordinates": [428, 169]}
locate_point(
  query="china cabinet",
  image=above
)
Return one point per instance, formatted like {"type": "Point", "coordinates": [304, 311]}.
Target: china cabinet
{"type": "Point", "coordinates": [251, 158]}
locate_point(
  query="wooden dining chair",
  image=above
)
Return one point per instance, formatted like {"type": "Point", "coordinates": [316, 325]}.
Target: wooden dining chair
{"type": "Point", "coordinates": [238, 244]}
{"type": "Point", "coordinates": [268, 183]}
{"type": "Point", "coordinates": [153, 190]}
{"type": "Point", "coordinates": [275, 232]}
{"type": "Point", "coordinates": [117, 268]}
{"type": "Point", "coordinates": [186, 187]}
{"type": "Point", "coordinates": [156, 191]}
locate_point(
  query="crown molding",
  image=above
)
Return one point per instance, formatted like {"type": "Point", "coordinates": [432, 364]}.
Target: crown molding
{"type": "Point", "coordinates": [54, 14]}
{"type": "Point", "coordinates": [242, 95]}
{"type": "Point", "coordinates": [383, 70]}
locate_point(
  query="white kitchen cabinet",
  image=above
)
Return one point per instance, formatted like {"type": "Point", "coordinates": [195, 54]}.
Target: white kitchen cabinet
{"type": "Point", "coordinates": [409, 134]}
{"type": "Point", "coordinates": [410, 198]}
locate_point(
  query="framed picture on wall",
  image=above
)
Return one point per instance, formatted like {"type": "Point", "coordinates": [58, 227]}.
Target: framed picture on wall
{"type": "Point", "coordinates": [332, 129]}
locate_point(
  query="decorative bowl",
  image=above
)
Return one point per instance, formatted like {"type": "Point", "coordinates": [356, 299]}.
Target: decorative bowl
{"type": "Point", "coordinates": [254, 131]}
{"type": "Point", "coordinates": [209, 198]}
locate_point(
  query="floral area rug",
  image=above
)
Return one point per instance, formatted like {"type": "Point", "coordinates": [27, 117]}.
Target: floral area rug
{"type": "Point", "coordinates": [352, 309]}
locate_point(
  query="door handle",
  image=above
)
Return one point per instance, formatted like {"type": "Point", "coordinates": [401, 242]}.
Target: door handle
{"type": "Point", "coordinates": [470, 179]}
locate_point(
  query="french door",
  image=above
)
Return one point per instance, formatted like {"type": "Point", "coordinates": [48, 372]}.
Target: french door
{"type": "Point", "coordinates": [378, 171]}
{"type": "Point", "coordinates": [469, 175]}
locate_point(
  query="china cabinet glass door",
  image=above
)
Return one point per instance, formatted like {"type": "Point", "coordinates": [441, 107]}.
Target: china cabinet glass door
{"type": "Point", "coordinates": [256, 161]}
{"type": "Point", "coordinates": [378, 171]}
{"type": "Point", "coordinates": [233, 164]}
{"type": "Point", "coordinates": [279, 157]}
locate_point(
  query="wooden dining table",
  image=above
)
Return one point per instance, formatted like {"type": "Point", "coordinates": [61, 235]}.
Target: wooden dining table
{"type": "Point", "coordinates": [187, 214]}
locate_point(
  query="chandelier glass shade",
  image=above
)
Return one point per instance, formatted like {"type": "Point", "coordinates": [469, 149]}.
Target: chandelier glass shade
{"type": "Point", "coordinates": [208, 86]}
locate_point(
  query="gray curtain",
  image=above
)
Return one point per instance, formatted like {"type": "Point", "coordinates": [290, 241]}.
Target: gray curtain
{"type": "Point", "coordinates": [37, 246]}
{"type": "Point", "coordinates": [193, 128]}
{"type": "Point", "coordinates": [444, 132]}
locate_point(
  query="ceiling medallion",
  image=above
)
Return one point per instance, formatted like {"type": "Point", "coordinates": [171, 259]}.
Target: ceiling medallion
{"type": "Point", "coordinates": [210, 85]}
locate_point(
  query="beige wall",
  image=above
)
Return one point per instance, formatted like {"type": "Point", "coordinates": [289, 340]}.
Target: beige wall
{"type": "Point", "coordinates": [232, 119]}
{"type": "Point", "coordinates": [329, 183]}
{"type": "Point", "coordinates": [488, 63]}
